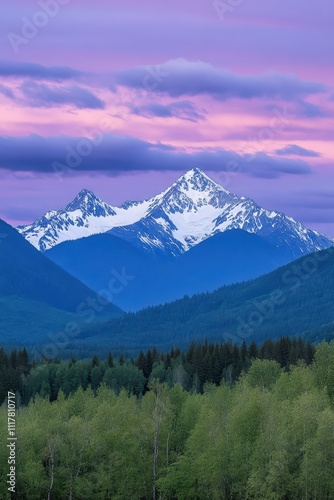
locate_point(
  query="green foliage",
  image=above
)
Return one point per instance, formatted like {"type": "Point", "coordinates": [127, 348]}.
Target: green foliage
{"type": "Point", "coordinates": [324, 366]}
{"type": "Point", "coordinates": [269, 435]}
{"type": "Point", "coordinates": [126, 376]}
{"type": "Point", "coordinates": [263, 373]}
{"type": "Point", "coordinates": [200, 364]}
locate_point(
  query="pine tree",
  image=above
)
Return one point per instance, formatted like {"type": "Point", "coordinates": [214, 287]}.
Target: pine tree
{"type": "Point", "coordinates": [110, 360]}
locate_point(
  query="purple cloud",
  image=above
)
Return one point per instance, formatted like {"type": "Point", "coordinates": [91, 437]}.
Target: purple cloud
{"type": "Point", "coordinates": [310, 110]}
{"type": "Point", "coordinates": [114, 154]}
{"type": "Point", "coordinates": [6, 91]}
{"type": "Point", "coordinates": [185, 110]}
{"type": "Point", "coordinates": [293, 149]}
{"type": "Point", "coordinates": [305, 109]}
{"type": "Point", "coordinates": [45, 96]}
{"type": "Point", "coordinates": [181, 77]}
{"type": "Point", "coordinates": [32, 70]}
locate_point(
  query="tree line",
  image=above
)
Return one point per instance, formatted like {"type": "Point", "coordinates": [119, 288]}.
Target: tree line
{"type": "Point", "coordinates": [267, 435]}
{"type": "Point", "coordinates": [192, 369]}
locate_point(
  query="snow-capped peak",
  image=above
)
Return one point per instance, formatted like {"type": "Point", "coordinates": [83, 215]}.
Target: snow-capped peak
{"type": "Point", "coordinates": [90, 204]}
{"type": "Point", "coordinates": [199, 181]}
{"type": "Point", "coordinates": [196, 181]}
{"type": "Point", "coordinates": [191, 210]}
{"type": "Point", "coordinates": [86, 194]}
{"type": "Point", "coordinates": [191, 192]}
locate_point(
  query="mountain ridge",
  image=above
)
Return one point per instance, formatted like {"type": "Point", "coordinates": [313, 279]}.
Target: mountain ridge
{"type": "Point", "coordinates": [191, 210]}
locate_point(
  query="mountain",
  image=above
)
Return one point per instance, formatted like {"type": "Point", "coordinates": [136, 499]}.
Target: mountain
{"type": "Point", "coordinates": [28, 277]}
{"type": "Point", "coordinates": [295, 300]}
{"type": "Point", "coordinates": [224, 258]}
{"type": "Point", "coordinates": [96, 259]}
{"type": "Point", "coordinates": [193, 209]}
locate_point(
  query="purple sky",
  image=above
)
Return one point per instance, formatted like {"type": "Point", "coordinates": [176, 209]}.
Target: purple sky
{"type": "Point", "coordinates": [146, 90]}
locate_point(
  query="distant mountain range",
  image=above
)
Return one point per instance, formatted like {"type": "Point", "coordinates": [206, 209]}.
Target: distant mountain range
{"type": "Point", "coordinates": [195, 236]}
{"type": "Point", "coordinates": [193, 209]}
{"type": "Point", "coordinates": [38, 296]}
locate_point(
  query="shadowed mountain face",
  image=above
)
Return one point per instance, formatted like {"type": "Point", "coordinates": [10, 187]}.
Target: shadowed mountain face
{"type": "Point", "coordinates": [222, 259]}
{"type": "Point", "coordinates": [25, 273]}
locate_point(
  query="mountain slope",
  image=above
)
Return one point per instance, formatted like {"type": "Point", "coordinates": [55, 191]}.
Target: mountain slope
{"type": "Point", "coordinates": [296, 299]}
{"type": "Point", "coordinates": [31, 323]}
{"type": "Point", "coordinates": [222, 259]}
{"type": "Point", "coordinates": [27, 274]}
{"type": "Point", "coordinates": [225, 258]}
{"type": "Point", "coordinates": [193, 209]}
{"type": "Point", "coordinates": [96, 260]}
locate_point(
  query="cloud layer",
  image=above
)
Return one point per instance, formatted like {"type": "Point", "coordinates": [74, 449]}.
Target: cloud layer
{"type": "Point", "coordinates": [185, 110]}
{"type": "Point", "coordinates": [33, 70]}
{"type": "Point", "coordinates": [180, 77]}
{"type": "Point", "coordinates": [42, 95]}
{"type": "Point", "coordinates": [294, 150]}
{"type": "Point", "coordinates": [114, 154]}
{"type": "Point", "coordinates": [6, 91]}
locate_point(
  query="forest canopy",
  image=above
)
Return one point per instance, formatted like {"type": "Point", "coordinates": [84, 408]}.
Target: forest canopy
{"type": "Point", "coordinates": [268, 434]}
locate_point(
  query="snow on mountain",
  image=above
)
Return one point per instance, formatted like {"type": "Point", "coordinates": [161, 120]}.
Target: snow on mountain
{"type": "Point", "coordinates": [84, 216]}
{"type": "Point", "coordinates": [188, 212]}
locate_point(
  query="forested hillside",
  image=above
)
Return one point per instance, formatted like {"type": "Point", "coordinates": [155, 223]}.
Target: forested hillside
{"type": "Point", "coordinates": [294, 300]}
{"type": "Point", "coordinates": [268, 436]}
